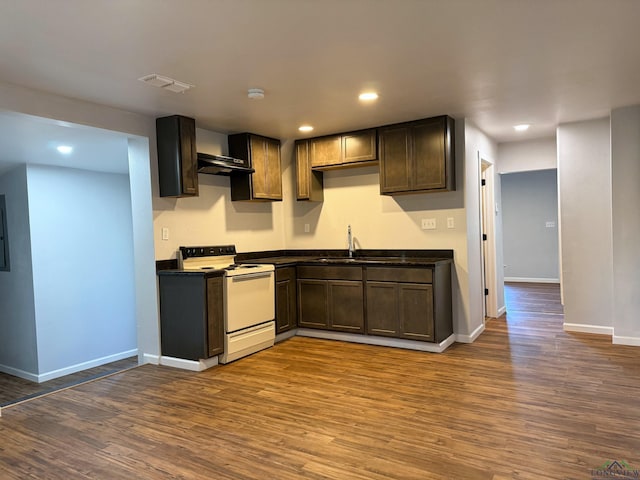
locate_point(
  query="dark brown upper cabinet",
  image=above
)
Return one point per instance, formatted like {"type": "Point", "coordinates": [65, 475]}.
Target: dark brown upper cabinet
{"type": "Point", "coordinates": [263, 153]}
{"type": "Point", "coordinates": [417, 157]}
{"type": "Point", "coordinates": [353, 149]}
{"type": "Point", "coordinates": [177, 157]}
{"type": "Point", "coordinates": [308, 183]}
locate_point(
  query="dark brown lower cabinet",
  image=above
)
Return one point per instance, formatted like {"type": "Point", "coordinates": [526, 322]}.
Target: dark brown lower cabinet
{"type": "Point", "coordinates": [191, 316]}
{"type": "Point", "coordinates": [409, 303]}
{"type": "Point", "coordinates": [331, 298]}
{"type": "Point", "coordinates": [285, 299]}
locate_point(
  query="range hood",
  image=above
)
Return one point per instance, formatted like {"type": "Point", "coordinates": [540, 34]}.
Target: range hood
{"type": "Point", "coordinates": [222, 165]}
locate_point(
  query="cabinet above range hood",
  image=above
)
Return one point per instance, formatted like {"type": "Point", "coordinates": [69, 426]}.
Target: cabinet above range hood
{"type": "Point", "coordinates": [222, 165]}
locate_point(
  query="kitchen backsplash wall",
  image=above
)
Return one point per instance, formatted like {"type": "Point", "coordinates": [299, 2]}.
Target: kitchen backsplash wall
{"type": "Point", "coordinates": [212, 218]}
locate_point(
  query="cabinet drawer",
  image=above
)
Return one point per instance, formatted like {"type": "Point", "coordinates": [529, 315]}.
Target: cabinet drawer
{"type": "Point", "coordinates": [390, 274]}
{"type": "Point", "coordinates": [285, 273]}
{"type": "Point", "coordinates": [330, 273]}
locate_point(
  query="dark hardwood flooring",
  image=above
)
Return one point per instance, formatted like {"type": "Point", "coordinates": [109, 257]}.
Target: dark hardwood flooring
{"type": "Point", "coordinates": [16, 389]}
{"type": "Point", "coordinates": [525, 401]}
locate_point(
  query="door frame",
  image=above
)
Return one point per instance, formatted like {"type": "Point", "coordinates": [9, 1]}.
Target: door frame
{"type": "Point", "coordinates": [487, 224]}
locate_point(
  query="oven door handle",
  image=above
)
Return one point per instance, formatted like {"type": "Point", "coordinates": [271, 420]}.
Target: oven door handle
{"type": "Point", "coordinates": [250, 276]}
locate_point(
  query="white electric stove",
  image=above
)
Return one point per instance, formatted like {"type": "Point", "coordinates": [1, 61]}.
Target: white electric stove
{"type": "Point", "coordinates": [249, 298]}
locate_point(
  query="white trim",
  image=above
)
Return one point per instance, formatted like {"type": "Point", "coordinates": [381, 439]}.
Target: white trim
{"type": "Point", "coordinates": [582, 328]}
{"type": "Point", "coordinates": [16, 372]}
{"type": "Point", "coordinates": [192, 365]}
{"type": "Point", "coordinates": [531, 280]}
{"type": "Point", "coordinates": [633, 341]}
{"type": "Point", "coordinates": [470, 338]}
{"type": "Point", "coordinates": [43, 377]}
{"type": "Point", "coordinates": [286, 335]}
{"type": "Point", "coordinates": [150, 358]}
{"type": "Point", "coordinates": [382, 341]}
{"type": "Point", "coordinates": [502, 310]}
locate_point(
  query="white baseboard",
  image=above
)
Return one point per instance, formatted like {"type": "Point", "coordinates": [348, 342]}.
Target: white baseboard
{"type": "Point", "coordinates": [472, 337]}
{"type": "Point", "coordinates": [582, 328]}
{"type": "Point", "coordinates": [192, 365]}
{"type": "Point", "coordinates": [61, 372]}
{"type": "Point", "coordinates": [381, 341]}
{"type": "Point", "coordinates": [620, 340]}
{"type": "Point", "coordinates": [285, 335]}
{"type": "Point", "coordinates": [150, 358]}
{"type": "Point", "coordinates": [531, 280]}
{"type": "Point", "coordinates": [502, 310]}
{"type": "Point", "coordinates": [16, 372]}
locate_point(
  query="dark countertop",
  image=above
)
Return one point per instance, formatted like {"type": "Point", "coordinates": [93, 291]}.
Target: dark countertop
{"type": "Point", "coordinates": [290, 258]}
{"type": "Point", "coordinates": [376, 261]}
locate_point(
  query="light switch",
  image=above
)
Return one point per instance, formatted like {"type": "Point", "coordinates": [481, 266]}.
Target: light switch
{"type": "Point", "coordinates": [306, 228]}
{"type": "Point", "coordinates": [428, 223]}
{"type": "Point", "coordinates": [450, 222]}
{"type": "Point", "coordinates": [165, 233]}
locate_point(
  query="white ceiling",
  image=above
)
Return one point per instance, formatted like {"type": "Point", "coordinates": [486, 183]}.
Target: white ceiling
{"type": "Point", "coordinates": [497, 62]}
{"type": "Point", "coordinates": [33, 140]}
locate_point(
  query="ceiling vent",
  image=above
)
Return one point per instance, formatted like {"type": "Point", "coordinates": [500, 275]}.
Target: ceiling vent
{"type": "Point", "coordinates": [166, 83]}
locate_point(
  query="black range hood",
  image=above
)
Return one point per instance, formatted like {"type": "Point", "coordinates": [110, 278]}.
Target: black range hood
{"type": "Point", "coordinates": [222, 165]}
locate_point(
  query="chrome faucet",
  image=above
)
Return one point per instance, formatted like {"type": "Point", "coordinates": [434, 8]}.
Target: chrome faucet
{"type": "Point", "coordinates": [350, 242]}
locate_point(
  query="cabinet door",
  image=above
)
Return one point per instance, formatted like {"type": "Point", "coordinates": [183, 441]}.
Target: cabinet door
{"type": "Point", "coordinates": [273, 175]}
{"type": "Point", "coordinates": [382, 309]}
{"type": "Point", "coordinates": [313, 298]}
{"type": "Point", "coordinates": [429, 155]}
{"type": "Point", "coordinates": [359, 146]}
{"type": "Point", "coordinates": [303, 170]}
{"type": "Point", "coordinates": [285, 299]}
{"type": "Point", "coordinates": [395, 159]}
{"type": "Point", "coordinates": [416, 311]}
{"type": "Point", "coordinates": [177, 157]}
{"type": "Point", "coordinates": [215, 317]}
{"type": "Point", "coordinates": [346, 302]}
{"type": "Point", "coordinates": [260, 163]}
{"type": "Point", "coordinates": [309, 184]}
{"type": "Point", "coordinates": [325, 151]}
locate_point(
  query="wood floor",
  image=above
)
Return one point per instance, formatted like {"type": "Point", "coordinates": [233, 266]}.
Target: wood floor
{"type": "Point", "coordinates": [525, 401]}
{"type": "Point", "coordinates": [16, 389]}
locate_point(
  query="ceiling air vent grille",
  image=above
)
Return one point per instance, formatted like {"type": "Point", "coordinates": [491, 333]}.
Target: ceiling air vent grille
{"type": "Point", "coordinates": [166, 83]}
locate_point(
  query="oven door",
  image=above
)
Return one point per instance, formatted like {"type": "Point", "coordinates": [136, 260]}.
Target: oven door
{"type": "Point", "coordinates": [249, 300]}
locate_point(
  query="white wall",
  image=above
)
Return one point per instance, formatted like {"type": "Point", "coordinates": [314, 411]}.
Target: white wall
{"type": "Point", "coordinates": [138, 128]}
{"type": "Point", "coordinates": [529, 202]}
{"type": "Point", "coordinates": [17, 313]}
{"type": "Point", "coordinates": [83, 269]}
{"type": "Point", "coordinates": [538, 154]}
{"type": "Point", "coordinates": [477, 145]}
{"type": "Point", "coordinates": [625, 155]}
{"type": "Point", "coordinates": [584, 179]}
{"type": "Point", "coordinates": [212, 218]}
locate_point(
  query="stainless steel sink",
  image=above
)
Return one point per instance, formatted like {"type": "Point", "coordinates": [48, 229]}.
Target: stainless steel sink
{"type": "Point", "coordinates": [349, 260]}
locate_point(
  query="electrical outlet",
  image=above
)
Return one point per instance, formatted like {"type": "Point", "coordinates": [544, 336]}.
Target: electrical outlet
{"type": "Point", "coordinates": [165, 233]}
{"type": "Point", "coordinates": [428, 223]}
{"type": "Point", "coordinates": [450, 222]}
{"type": "Point", "coordinates": [306, 228]}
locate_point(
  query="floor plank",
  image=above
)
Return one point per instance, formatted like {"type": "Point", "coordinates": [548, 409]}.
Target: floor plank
{"type": "Point", "coordinates": [525, 401]}
{"type": "Point", "coordinates": [15, 389]}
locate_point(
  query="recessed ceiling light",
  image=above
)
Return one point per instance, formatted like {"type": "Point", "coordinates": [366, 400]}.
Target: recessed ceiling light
{"type": "Point", "coordinates": [255, 93]}
{"type": "Point", "coordinates": [367, 96]}
{"type": "Point", "coordinates": [522, 127]}
{"type": "Point", "coordinates": [305, 128]}
{"type": "Point", "coordinates": [65, 149]}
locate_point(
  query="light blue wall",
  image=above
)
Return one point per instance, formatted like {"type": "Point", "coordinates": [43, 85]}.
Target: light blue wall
{"type": "Point", "coordinates": [529, 201]}
{"type": "Point", "coordinates": [17, 315]}
{"type": "Point", "coordinates": [83, 268]}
